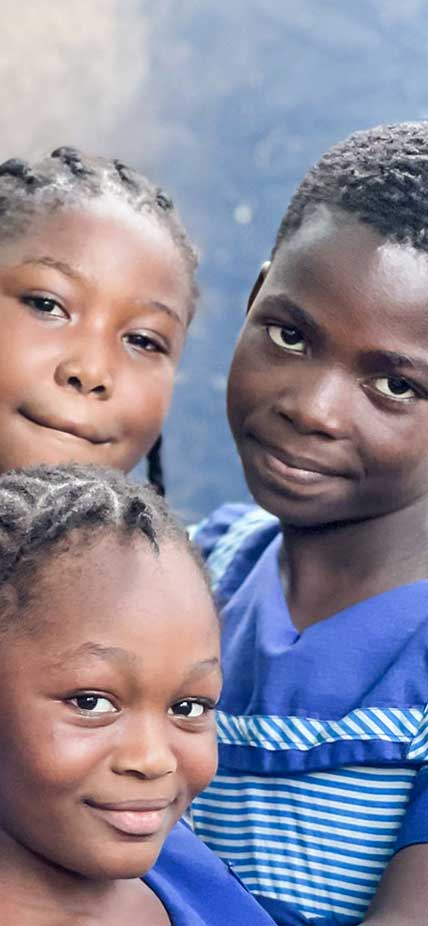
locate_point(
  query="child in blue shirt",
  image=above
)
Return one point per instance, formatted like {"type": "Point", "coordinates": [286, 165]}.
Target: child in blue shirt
{"type": "Point", "coordinates": [109, 674]}
{"type": "Point", "coordinates": [321, 797]}
{"type": "Point", "coordinates": [97, 291]}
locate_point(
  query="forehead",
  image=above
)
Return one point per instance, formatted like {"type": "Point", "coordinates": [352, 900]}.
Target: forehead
{"type": "Point", "coordinates": [123, 594]}
{"type": "Point", "coordinates": [104, 240]}
{"type": "Point", "coordinates": [334, 260]}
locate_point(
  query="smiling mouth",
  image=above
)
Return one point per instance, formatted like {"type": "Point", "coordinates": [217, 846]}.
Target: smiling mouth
{"type": "Point", "coordinates": [67, 427]}
{"type": "Point", "coordinates": [133, 819]}
{"type": "Point", "coordinates": [301, 470]}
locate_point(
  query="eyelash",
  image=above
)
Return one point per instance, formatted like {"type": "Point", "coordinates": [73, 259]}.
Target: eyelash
{"type": "Point", "coordinates": [150, 345]}
{"type": "Point", "coordinates": [44, 305]}
{"type": "Point", "coordinates": [418, 392]}
{"type": "Point", "coordinates": [35, 302]}
{"type": "Point", "coordinates": [270, 328]}
{"type": "Point", "coordinates": [206, 704]}
{"type": "Point", "coordinates": [398, 398]}
{"type": "Point", "coordinates": [96, 696]}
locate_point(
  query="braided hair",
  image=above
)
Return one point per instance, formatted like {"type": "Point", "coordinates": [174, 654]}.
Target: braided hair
{"type": "Point", "coordinates": [67, 177]}
{"type": "Point", "coordinates": [41, 506]}
{"type": "Point", "coordinates": [380, 175]}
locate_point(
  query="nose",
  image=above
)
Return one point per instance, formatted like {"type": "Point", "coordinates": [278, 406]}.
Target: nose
{"type": "Point", "coordinates": [87, 370]}
{"type": "Point", "coordinates": [144, 750]}
{"type": "Point", "coordinates": [319, 402]}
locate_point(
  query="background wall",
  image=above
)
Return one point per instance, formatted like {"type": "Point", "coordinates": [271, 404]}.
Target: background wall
{"type": "Point", "coordinates": [226, 103]}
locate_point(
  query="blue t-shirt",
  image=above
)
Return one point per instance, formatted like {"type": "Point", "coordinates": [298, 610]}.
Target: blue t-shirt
{"type": "Point", "coordinates": [323, 735]}
{"type": "Point", "coordinates": [196, 888]}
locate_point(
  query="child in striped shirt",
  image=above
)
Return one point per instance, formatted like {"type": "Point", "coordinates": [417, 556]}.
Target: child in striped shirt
{"type": "Point", "coordinates": [321, 798]}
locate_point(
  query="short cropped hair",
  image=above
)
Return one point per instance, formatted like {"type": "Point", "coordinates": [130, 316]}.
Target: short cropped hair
{"type": "Point", "coordinates": [379, 175]}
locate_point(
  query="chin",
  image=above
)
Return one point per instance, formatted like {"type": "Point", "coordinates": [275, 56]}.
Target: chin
{"type": "Point", "coordinates": [132, 861]}
{"type": "Point", "coordinates": [303, 514]}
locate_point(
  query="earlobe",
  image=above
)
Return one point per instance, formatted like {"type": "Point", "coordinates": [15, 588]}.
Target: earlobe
{"type": "Point", "coordinates": [258, 284]}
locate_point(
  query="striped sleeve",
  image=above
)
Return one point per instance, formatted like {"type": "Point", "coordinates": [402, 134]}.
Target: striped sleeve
{"type": "Point", "coordinates": [311, 847]}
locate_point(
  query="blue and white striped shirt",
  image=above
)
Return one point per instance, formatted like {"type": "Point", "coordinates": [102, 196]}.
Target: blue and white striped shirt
{"type": "Point", "coordinates": [323, 735]}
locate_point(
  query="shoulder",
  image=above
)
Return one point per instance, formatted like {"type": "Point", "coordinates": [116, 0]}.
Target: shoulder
{"type": "Point", "coordinates": [189, 875]}
{"type": "Point", "coordinates": [211, 529]}
{"type": "Point", "coordinates": [235, 535]}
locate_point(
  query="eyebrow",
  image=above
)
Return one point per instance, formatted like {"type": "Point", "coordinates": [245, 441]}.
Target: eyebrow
{"type": "Point", "coordinates": [60, 265]}
{"type": "Point", "coordinates": [63, 267]}
{"type": "Point", "coordinates": [299, 315]}
{"type": "Point", "coordinates": [119, 655]}
{"type": "Point", "coordinates": [385, 359]}
{"type": "Point", "coordinates": [391, 360]}
{"type": "Point", "coordinates": [167, 309]}
{"type": "Point", "coordinates": [204, 667]}
{"type": "Point", "coordinates": [106, 653]}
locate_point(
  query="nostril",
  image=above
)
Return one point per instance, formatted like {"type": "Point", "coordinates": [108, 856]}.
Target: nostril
{"type": "Point", "coordinates": [77, 383]}
{"type": "Point", "coordinates": [74, 381]}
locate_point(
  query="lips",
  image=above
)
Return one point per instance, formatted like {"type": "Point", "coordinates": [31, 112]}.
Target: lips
{"type": "Point", "coordinates": [133, 818]}
{"type": "Point", "coordinates": [300, 468]}
{"type": "Point", "coordinates": [83, 431]}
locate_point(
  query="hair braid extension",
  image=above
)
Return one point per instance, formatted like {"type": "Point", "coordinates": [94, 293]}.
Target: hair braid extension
{"type": "Point", "coordinates": [155, 468]}
{"type": "Point", "coordinates": [380, 175]}
{"type": "Point", "coordinates": [40, 507]}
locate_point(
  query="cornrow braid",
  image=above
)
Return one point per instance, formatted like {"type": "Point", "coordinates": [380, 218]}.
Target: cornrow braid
{"type": "Point", "coordinates": [40, 507]}
{"type": "Point", "coordinates": [71, 157]}
{"type": "Point", "coordinates": [68, 176]}
{"type": "Point", "coordinates": [380, 175]}
{"type": "Point", "coordinates": [19, 169]}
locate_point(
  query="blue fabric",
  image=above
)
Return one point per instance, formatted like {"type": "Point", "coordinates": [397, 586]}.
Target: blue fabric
{"type": "Point", "coordinates": [197, 889]}
{"type": "Point", "coordinates": [415, 825]}
{"type": "Point", "coordinates": [321, 734]}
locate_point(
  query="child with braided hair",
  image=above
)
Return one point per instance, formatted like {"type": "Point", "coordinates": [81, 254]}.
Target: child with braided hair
{"type": "Point", "coordinates": [97, 291]}
{"type": "Point", "coordinates": [109, 674]}
{"type": "Point", "coordinates": [321, 797]}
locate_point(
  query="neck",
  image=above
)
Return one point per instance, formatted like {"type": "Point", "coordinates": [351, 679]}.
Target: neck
{"type": "Point", "coordinates": [325, 570]}
{"type": "Point", "coordinates": [34, 892]}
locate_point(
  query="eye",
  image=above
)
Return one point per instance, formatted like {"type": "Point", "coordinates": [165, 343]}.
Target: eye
{"type": "Point", "coordinates": [190, 709]}
{"type": "Point", "coordinates": [287, 337]}
{"type": "Point", "coordinates": [146, 343]}
{"type": "Point", "coordinates": [394, 387]}
{"type": "Point", "coordinates": [45, 305]}
{"type": "Point", "coordinates": [90, 703]}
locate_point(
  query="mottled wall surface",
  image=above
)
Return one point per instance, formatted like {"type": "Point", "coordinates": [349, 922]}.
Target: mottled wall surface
{"type": "Point", "coordinates": [226, 103]}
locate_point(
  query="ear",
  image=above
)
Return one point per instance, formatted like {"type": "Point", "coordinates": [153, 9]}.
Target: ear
{"type": "Point", "coordinates": [258, 284]}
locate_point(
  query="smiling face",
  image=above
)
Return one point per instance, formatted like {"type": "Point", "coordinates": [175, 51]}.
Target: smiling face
{"type": "Point", "coordinates": [107, 725]}
{"type": "Point", "coordinates": [93, 317]}
{"type": "Point", "coordinates": [328, 391]}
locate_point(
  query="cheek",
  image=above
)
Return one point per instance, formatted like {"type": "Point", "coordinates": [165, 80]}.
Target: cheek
{"type": "Point", "coordinates": [398, 448]}
{"type": "Point", "coordinates": [247, 392]}
{"type": "Point", "coordinates": [198, 760]}
{"type": "Point", "coordinates": [15, 367]}
{"type": "Point", "coordinates": [237, 396]}
{"type": "Point", "coordinates": [46, 346]}
{"type": "Point", "coordinates": [145, 400]}
{"type": "Point", "coordinates": [52, 757]}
